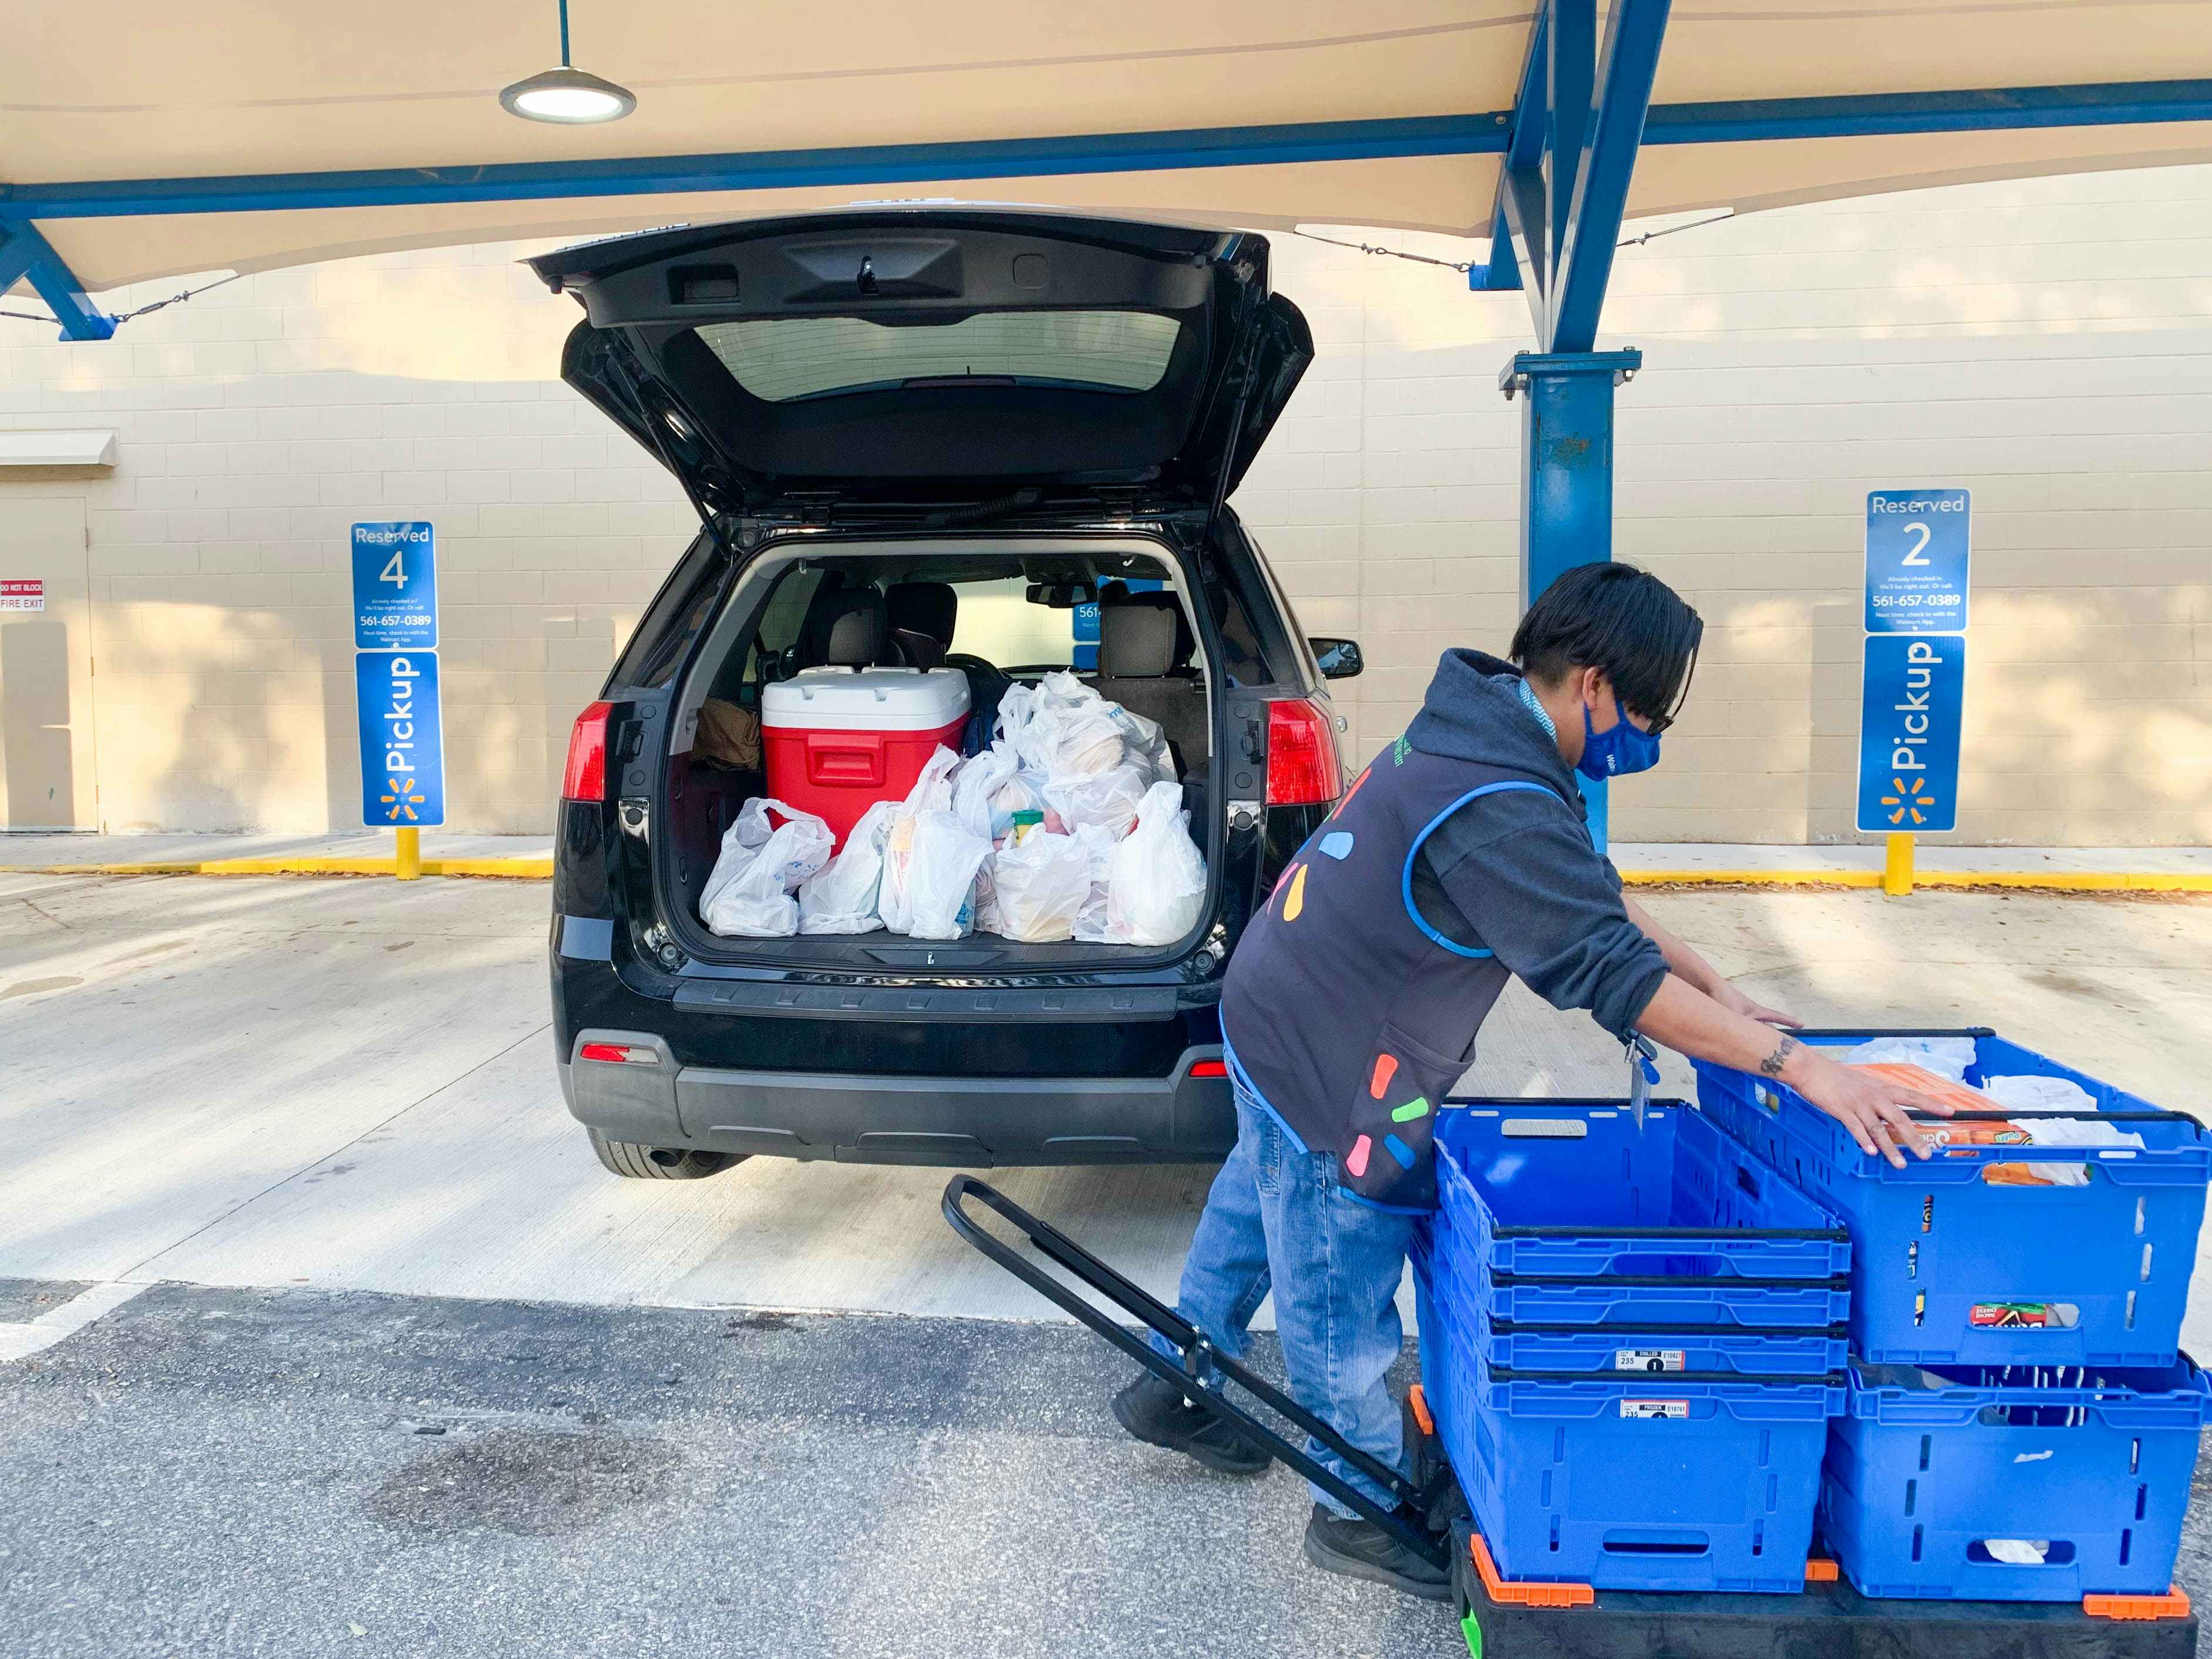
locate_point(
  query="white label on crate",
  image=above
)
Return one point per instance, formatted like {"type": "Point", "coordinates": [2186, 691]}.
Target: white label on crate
{"type": "Point", "coordinates": [1647, 1360]}
{"type": "Point", "coordinates": [1648, 1408]}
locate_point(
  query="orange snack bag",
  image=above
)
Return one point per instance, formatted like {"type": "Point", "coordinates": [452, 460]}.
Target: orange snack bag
{"type": "Point", "coordinates": [1961, 1135]}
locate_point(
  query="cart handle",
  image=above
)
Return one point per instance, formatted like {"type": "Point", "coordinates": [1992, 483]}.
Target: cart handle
{"type": "Point", "coordinates": [1205, 1369]}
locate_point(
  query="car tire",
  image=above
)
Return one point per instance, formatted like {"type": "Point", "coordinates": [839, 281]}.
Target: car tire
{"type": "Point", "coordinates": [642, 1162]}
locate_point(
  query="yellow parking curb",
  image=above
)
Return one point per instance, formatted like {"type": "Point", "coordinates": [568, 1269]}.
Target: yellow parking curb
{"type": "Point", "coordinates": [512, 869]}
{"type": "Point", "coordinates": [541, 869]}
{"type": "Point", "coordinates": [2084, 881]}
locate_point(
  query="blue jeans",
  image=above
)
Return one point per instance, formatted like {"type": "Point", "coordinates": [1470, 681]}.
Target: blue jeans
{"type": "Point", "coordinates": [1276, 1217]}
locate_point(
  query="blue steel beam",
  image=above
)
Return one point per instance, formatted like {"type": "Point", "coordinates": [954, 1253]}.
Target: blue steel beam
{"type": "Point", "coordinates": [1570, 66]}
{"type": "Point", "coordinates": [1632, 36]}
{"type": "Point", "coordinates": [2004, 109]}
{"type": "Point", "coordinates": [863, 164]}
{"type": "Point", "coordinates": [1516, 214]}
{"type": "Point", "coordinates": [1566, 476]}
{"type": "Point", "coordinates": [1994, 110]}
{"type": "Point", "coordinates": [25, 252]}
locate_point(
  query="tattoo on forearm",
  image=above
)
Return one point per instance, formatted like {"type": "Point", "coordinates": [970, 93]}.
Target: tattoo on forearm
{"type": "Point", "coordinates": [1773, 1065]}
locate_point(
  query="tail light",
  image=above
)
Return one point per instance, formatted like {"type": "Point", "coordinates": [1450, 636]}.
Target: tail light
{"type": "Point", "coordinates": [585, 777]}
{"type": "Point", "coordinates": [1302, 764]}
{"type": "Point", "coordinates": [1209, 1068]}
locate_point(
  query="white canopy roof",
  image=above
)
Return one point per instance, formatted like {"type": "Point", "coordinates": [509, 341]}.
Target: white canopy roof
{"type": "Point", "coordinates": [222, 88]}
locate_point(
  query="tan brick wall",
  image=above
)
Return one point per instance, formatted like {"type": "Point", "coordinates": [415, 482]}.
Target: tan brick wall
{"type": "Point", "coordinates": [2046, 344]}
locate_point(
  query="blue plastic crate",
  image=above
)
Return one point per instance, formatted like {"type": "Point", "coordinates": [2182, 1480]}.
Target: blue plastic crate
{"type": "Point", "coordinates": [1926, 1469]}
{"type": "Point", "coordinates": [1654, 1485]}
{"type": "Point", "coordinates": [1579, 1190]}
{"type": "Point", "coordinates": [1951, 1269]}
{"type": "Point", "coordinates": [1659, 1304]}
{"type": "Point", "coordinates": [1703, 1352]}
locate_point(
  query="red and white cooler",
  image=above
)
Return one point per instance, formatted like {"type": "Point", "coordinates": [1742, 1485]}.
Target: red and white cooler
{"type": "Point", "coordinates": [840, 739]}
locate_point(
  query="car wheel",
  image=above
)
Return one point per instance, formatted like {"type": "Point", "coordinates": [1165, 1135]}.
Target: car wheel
{"type": "Point", "coordinates": [642, 1162]}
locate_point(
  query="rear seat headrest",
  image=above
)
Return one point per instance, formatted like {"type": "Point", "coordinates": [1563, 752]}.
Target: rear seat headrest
{"type": "Point", "coordinates": [931, 608]}
{"type": "Point", "coordinates": [854, 629]}
{"type": "Point", "coordinates": [1136, 641]}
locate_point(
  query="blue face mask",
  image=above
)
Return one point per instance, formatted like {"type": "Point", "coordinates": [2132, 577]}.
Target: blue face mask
{"type": "Point", "coordinates": [1618, 752]}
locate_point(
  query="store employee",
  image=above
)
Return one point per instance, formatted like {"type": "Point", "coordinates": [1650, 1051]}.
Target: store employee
{"type": "Point", "coordinates": [1459, 858]}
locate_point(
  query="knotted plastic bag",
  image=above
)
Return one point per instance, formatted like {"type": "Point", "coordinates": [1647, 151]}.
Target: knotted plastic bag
{"type": "Point", "coordinates": [1108, 799]}
{"type": "Point", "coordinates": [842, 898]}
{"type": "Point", "coordinates": [748, 892]}
{"type": "Point", "coordinates": [1157, 884]}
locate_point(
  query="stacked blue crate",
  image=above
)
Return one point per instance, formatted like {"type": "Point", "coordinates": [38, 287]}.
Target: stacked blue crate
{"type": "Point", "coordinates": [1629, 1342]}
{"type": "Point", "coordinates": [2021, 1423]}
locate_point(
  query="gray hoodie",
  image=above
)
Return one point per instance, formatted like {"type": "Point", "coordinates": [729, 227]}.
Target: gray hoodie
{"type": "Point", "coordinates": [1516, 872]}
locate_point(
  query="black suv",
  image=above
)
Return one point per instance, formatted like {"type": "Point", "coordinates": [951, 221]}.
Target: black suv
{"type": "Point", "coordinates": [996, 441]}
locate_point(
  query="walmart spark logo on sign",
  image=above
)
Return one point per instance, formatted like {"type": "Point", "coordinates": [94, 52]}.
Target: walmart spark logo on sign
{"type": "Point", "coordinates": [1911, 707]}
{"type": "Point", "coordinates": [402, 755]}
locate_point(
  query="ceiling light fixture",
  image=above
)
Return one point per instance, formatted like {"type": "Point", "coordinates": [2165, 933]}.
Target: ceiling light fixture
{"type": "Point", "coordinates": [567, 95]}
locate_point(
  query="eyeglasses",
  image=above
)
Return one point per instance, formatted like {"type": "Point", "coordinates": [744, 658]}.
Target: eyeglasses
{"type": "Point", "coordinates": [1658, 723]}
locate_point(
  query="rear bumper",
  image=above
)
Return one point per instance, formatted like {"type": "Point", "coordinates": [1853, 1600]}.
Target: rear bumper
{"type": "Point", "coordinates": [960, 1122]}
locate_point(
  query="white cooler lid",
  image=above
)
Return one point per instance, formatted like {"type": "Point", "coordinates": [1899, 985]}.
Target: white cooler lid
{"type": "Point", "coordinates": [866, 699]}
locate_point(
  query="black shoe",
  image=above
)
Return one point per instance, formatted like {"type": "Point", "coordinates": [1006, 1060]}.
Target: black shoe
{"type": "Point", "coordinates": [1155, 1413]}
{"type": "Point", "coordinates": [1360, 1549]}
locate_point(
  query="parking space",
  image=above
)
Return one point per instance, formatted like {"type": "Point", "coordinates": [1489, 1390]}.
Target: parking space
{"type": "Point", "coordinates": [317, 1314]}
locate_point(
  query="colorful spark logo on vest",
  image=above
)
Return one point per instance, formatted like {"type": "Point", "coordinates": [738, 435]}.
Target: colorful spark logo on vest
{"type": "Point", "coordinates": [1297, 901]}
{"type": "Point", "coordinates": [1337, 844]}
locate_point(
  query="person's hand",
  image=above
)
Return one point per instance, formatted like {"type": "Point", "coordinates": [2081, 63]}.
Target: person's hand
{"type": "Point", "coordinates": [1872, 1108]}
{"type": "Point", "coordinates": [1737, 1003]}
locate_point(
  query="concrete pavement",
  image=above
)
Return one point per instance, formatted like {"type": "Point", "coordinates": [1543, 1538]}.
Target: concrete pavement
{"type": "Point", "coordinates": [322, 1330]}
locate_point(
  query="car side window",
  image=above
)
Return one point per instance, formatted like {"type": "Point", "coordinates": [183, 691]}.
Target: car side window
{"type": "Point", "coordinates": [671, 622]}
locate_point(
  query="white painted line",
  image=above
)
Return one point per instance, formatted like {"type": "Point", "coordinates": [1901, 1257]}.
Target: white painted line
{"type": "Point", "coordinates": [21, 1342]}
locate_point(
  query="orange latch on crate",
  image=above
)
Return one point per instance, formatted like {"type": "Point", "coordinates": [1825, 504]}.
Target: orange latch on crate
{"type": "Point", "coordinates": [1820, 1570]}
{"type": "Point", "coordinates": [1514, 1593]}
{"type": "Point", "coordinates": [2174, 1604]}
{"type": "Point", "coordinates": [1419, 1402]}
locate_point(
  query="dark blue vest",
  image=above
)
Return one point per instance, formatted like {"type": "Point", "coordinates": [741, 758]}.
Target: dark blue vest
{"type": "Point", "coordinates": [1345, 1009]}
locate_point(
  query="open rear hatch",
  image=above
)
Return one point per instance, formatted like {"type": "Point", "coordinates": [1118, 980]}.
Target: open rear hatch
{"type": "Point", "coordinates": [929, 356]}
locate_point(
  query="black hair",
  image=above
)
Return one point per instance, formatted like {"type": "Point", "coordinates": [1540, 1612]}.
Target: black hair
{"type": "Point", "coordinates": [1619, 619]}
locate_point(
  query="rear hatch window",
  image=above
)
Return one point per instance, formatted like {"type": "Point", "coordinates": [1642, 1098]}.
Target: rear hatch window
{"type": "Point", "coordinates": [782, 359]}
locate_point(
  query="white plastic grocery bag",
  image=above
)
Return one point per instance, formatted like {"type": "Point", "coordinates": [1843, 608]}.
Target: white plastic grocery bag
{"type": "Point", "coordinates": [1146, 744]}
{"type": "Point", "coordinates": [1061, 725]}
{"type": "Point", "coordinates": [1157, 886]}
{"type": "Point", "coordinates": [748, 892]}
{"type": "Point", "coordinates": [1098, 846]}
{"type": "Point", "coordinates": [841, 897]}
{"type": "Point", "coordinates": [940, 876]}
{"type": "Point", "coordinates": [1109, 799]}
{"type": "Point", "coordinates": [931, 793]}
{"type": "Point", "coordinates": [1040, 883]}
{"type": "Point", "coordinates": [976, 786]}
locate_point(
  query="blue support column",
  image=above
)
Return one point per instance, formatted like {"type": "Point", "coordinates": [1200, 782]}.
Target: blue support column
{"type": "Point", "coordinates": [1566, 474]}
{"type": "Point", "coordinates": [25, 252]}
